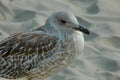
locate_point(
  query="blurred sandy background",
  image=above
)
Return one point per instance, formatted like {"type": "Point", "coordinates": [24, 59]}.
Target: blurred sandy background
{"type": "Point", "coordinates": [101, 57]}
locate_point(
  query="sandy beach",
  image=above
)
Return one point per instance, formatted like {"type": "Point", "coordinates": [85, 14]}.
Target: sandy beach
{"type": "Point", "coordinates": [101, 57]}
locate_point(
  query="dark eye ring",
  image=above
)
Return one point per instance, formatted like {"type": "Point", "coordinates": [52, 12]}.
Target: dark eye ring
{"type": "Point", "coordinates": [63, 21]}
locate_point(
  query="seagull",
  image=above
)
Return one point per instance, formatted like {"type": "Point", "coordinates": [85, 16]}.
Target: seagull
{"type": "Point", "coordinates": [43, 51]}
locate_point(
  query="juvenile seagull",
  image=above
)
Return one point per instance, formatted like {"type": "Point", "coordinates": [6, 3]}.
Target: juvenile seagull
{"type": "Point", "coordinates": [43, 51]}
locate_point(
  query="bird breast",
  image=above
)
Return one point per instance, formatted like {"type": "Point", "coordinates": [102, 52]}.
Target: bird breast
{"type": "Point", "coordinates": [78, 42]}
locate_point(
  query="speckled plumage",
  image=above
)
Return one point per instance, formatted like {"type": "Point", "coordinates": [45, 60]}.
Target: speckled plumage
{"type": "Point", "coordinates": [41, 52]}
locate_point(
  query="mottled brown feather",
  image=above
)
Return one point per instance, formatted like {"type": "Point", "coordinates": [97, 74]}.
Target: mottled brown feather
{"type": "Point", "coordinates": [27, 43]}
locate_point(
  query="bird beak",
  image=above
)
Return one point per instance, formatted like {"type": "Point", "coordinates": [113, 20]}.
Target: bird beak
{"type": "Point", "coordinates": [82, 29]}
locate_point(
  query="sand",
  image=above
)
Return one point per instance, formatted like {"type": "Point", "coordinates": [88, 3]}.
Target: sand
{"type": "Point", "coordinates": [101, 57]}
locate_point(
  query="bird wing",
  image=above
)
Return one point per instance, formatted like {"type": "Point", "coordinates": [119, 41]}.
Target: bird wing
{"type": "Point", "coordinates": [27, 43]}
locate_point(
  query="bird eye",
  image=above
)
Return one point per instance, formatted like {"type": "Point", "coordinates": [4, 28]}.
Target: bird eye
{"type": "Point", "coordinates": [63, 21]}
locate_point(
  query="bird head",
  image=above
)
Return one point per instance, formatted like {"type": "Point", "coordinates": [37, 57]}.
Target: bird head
{"type": "Point", "coordinates": [65, 20]}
